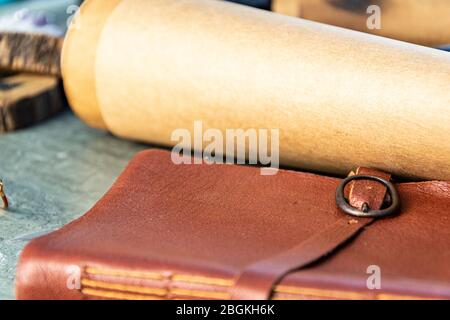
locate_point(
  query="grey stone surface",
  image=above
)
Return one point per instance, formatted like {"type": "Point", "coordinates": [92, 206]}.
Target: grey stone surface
{"type": "Point", "coordinates": [53, 173]}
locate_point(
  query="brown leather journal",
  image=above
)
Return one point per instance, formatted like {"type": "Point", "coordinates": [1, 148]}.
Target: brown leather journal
{"type": "Point", "coordinates": [166, 231]}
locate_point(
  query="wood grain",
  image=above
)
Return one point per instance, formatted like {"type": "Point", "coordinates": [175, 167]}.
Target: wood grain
{"type": "Point", "coordinates": [26, 99]}
{"type": "Point", "coordinates": [28, 52]}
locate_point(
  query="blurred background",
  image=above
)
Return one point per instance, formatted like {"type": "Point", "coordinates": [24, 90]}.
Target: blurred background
{"type": "Point", "coordinates": [416, 21]}
{"type": "Point", "coordinates": [51, 16]}
{"type": "Point", "coordinates": [48, 16]}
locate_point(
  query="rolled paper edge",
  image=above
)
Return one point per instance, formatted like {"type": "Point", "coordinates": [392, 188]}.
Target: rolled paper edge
{"type": "Point", "coordinates": [78, 57]}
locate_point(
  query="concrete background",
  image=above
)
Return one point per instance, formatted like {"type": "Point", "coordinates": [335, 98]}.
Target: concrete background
{"type": "Point", "coordinates": [53, 173]}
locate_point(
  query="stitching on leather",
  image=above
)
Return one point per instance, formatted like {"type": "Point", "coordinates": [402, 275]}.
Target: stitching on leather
{"type": "Point", "coordinates": [203, 280]}
{"type": "Point", "coordinates": [135, 292]}
{"type": "Point", "coordinates": [117, 295]}
{"type": "Point", "coordinates": [123, 287]}
{"type": "Point", "coordinates": [137, 296]}
{"type": "Point", "coordinates": [102, 286]}
{"type": "Point", "coordinates": [337, 294]}
{"type": "Point", "coordinates": [388, 296]}
{"type": "Point", "coordinates": [313, 292]}
{"type": "Point", "coordinates": [221, 282]}
{"type": "Point", "coordinates": [201, 294]}
{"type": "Point", "coordinates": [123, 273]}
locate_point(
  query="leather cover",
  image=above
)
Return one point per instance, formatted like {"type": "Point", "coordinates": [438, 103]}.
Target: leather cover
{"type": "Point", "coordinates": [166, 231]}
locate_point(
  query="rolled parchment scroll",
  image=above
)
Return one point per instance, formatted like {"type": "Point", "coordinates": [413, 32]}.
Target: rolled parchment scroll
{"type": "Point", "coordinates": [142, 69]}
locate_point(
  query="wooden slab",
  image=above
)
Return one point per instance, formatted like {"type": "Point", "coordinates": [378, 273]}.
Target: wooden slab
{"type": "Point", "coordinates": [28, 52]}
{"type": "Point", "coordinates": [26, 99]}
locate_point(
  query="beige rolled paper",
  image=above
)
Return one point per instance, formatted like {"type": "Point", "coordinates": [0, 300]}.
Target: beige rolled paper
{"type": "Point", "coordinates": [425, 22]}
{"type": "Point", "coordinates": [340, 98]}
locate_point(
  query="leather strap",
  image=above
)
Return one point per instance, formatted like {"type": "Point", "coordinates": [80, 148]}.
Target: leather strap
{"type": "Point", "coordinates": [367, 191]}
{"type": "Point", "coordinates": [257, 281]}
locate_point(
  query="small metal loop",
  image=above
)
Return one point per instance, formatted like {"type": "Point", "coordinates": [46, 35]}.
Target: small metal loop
{"type": "Point", "coordinates": [3, 196]}
{"type": "Point", "coordinates": [347, 208]}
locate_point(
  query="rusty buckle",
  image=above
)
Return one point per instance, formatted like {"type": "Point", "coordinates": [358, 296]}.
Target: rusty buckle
{"type": "Point", "coordinates": [366, 212]}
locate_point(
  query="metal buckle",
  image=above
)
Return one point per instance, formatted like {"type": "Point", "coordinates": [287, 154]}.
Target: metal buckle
{"type": "Point", "coordinates": [367, 212]}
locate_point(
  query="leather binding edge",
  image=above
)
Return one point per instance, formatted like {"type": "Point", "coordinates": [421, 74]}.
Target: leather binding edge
{"type": "Point", "coordinates": [111, 289]}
